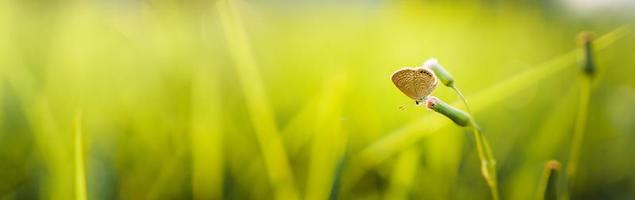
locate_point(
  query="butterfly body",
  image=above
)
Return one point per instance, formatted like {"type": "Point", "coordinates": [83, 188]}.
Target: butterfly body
{"type": "Point", "coordinates": [416, 83]}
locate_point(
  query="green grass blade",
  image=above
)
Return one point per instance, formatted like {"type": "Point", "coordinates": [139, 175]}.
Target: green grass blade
{"type": "Point", "coordinates": [262, 116]}
{"type": "Point", "coordinates": [579, 129]}
{"type": "Point", "coordinates": [80, 171]}
{"type": "Point", "coordinates": [548, 187]}
{"type": "Point", "coordinates": [207, 136]}
{"type": "Point", "coordinates": [329, 142]}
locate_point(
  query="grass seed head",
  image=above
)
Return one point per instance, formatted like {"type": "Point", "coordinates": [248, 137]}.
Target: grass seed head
{"type": "Point", "coordinates": [585, 40]}
{"type": "Point", "coordinates": [457, 116]}
{"type": "Point", "coordinates": [443, 75]}
{"type": "Point", "coordinates": [553, 165]}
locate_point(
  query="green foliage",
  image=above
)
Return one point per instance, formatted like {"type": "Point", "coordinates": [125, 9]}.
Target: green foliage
{"type": "Point", "coordinates": [264, 100]}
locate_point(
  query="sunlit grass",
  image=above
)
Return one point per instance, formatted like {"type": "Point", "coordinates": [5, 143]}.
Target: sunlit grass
{"type": "Point", "coordinates": [547, 138]}
{"type": "Point", "coordinates": [589, 70]}
{"type": "Point", "coordinates": [261, 114]}
{"type": "Point", "coordinates": [78, 159]}
{"type": "Point", "coordinates": [579, 129]}
{"type": "Point", "coordinates": [414, 131]}
{"type": "Point", "coordinates": [207, 136]}
{"type": "Point", "coordinates": [266, 100]}
{"type": "Point", "coordinates": [548, 187]}
{"type": "Point", "coordinates": [487, 97]}
{"type": "Point", "coordinates": [329, 141]}
{"type": "Point", "coordinates": [403, 174]}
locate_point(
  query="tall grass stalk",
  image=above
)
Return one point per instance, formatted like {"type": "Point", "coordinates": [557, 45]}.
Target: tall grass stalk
{"type": "Point", "coordinates": [337, 177]}
{"type": "Point", "coordinates": [262, 117]}
{"type": "Point", "coordinates": [206, 136]}
{"type": "Point", "coordinates": [579, 129]}
{"type": "Point", "coordinates": [548, 185]}
{"type": "Point", "coordinates": [460, 118]}
{"type": "Point", "coordinates": [588, 68]}
{"type": "Point", "coordinates": [488, 163]}
{"type": "Point", "coordinates": [329, 141]}
{"type": "Point", "coordinates": [80, 173]}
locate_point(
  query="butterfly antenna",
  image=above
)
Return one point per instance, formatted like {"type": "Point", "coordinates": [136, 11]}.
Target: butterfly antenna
{"type": "Point", "coordinates": [402, 107]}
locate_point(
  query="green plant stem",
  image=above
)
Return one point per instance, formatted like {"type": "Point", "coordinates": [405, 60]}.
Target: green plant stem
{"type": "Point", "coordinates": [80, 174]}
{"type": "Point", "coordinates": [488, 163]}
{"type": "Point", "coordinates": [580, 126]}
{"type": "Point", "coordinates": [458, 92]}
{"type": "Point", "coordinates": [548, 185]}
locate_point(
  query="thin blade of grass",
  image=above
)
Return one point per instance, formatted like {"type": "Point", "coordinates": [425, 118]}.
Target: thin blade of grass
{"type": "Point", "coordinates": [261, 115]}
{"type": "Point", "coordinates": [328, 140]}
{"type": "Point", "coordinates": [339, 170]}
{"type": "Point", "coordinates": [207, 136]}
{"type": "Point", "coordinates": [548, 187]}
{"type": "Point", "coordinates": [80, 172]}
{"type": "Point", "coordinates": [578, 131]}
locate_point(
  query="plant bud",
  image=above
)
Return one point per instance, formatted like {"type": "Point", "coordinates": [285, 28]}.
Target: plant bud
{"type": "Point", "coordinates": [551, 190]}
{"type": "Point", "coordinates": [553, 165]}
{"type": "Point", "coordinates": [587, 63]}
{"type": "Point", "coordinates": [443, 75]}
{"type": "Point", "coordinates": [457, 116]}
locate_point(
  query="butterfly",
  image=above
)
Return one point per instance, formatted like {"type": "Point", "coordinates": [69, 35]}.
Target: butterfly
{"type": "Point", "coordinates": [416, 83]}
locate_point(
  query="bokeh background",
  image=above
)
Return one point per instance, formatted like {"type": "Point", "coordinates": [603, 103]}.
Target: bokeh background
{"type": "Point", "coordinates": [167, 99]}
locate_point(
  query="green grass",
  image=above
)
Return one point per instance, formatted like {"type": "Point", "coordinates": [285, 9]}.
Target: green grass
{"type": "Point", "coordinates": [293, 100]}
{"type": "Point", "coordinates": [413, 131]}
{"type": "Point", "coordinates": [262, 116]}
{"type": "Point", "coordinates": [548, 185]}
{"type": "Point", "coordinates": [78, 158]}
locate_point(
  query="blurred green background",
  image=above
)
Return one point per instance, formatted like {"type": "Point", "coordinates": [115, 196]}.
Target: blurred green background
{"type": "Point", "coordinates": [167, 99]}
